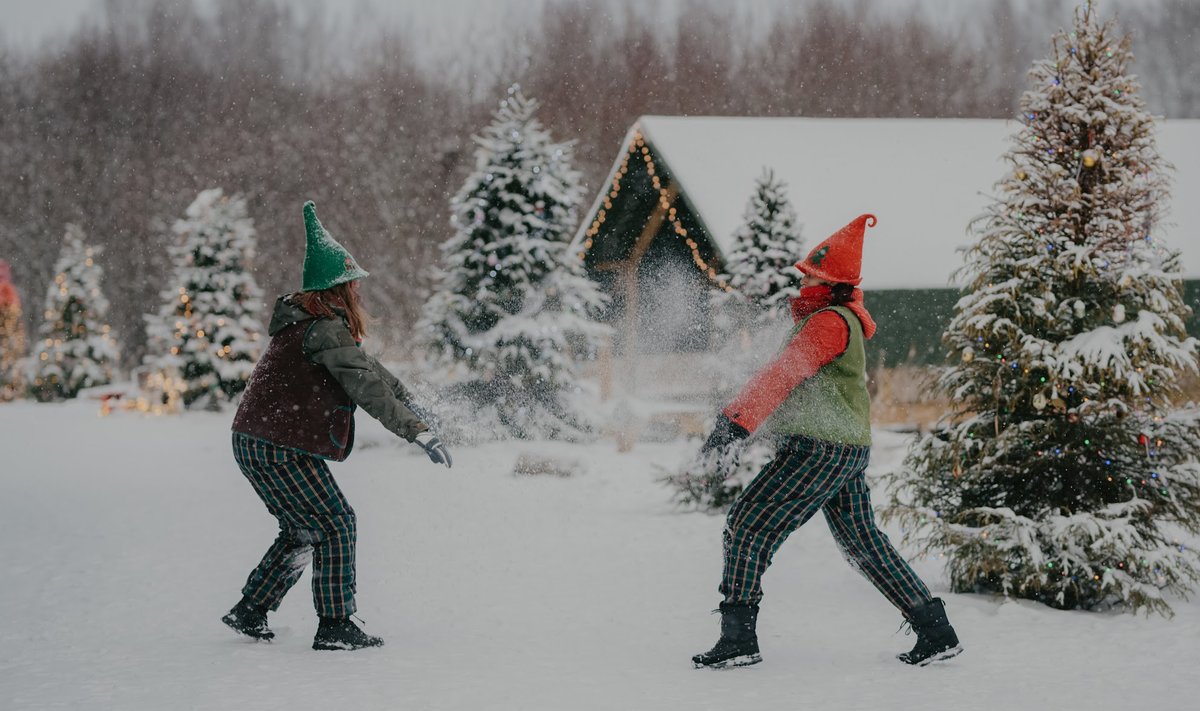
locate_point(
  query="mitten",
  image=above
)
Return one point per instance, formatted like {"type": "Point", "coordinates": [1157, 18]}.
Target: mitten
{"type": "Point", "coordinates": [433, 446]}
{"type": "Point", "coordinates": [724, 433]}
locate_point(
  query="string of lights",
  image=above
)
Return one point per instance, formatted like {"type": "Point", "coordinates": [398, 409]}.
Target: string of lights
{"type": "Point", "coordinates": [637, 146]}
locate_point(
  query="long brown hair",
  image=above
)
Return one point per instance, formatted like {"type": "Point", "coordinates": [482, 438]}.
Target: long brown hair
{"type": "Point", "coordinates": [841, 293]}
{"type": "Point", "coordinates": [344, 296]}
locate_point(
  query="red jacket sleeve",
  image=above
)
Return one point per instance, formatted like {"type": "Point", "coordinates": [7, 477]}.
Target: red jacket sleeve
{"type": "Point", "coordinates": [824, 337]}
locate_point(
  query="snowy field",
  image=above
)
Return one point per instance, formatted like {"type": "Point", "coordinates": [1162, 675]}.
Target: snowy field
{"type": "Point", "coordinates": [123, 540]}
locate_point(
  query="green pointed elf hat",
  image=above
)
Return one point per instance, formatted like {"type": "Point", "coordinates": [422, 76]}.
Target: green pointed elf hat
{"type": "Point", "coordinates": [326, 263]}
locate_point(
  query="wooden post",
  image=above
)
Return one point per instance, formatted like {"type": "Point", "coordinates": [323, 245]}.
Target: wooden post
{"type": "Point", "coordinates": [606, 370]}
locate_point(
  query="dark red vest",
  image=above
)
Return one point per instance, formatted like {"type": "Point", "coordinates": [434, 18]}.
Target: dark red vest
{"type": "Point", "coordinates": [295, 403]}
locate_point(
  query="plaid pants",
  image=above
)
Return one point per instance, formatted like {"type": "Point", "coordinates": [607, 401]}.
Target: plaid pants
{"type": "Point", "coordinates": [807, 475]}
{"type": "Point", "coordinates": [316, 524]}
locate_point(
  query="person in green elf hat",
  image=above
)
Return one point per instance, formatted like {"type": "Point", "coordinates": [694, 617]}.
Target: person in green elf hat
{"type": "Point", "coordinates": [297, 412]}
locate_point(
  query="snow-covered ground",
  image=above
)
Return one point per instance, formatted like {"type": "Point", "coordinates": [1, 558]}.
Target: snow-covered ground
{"type": "Point", "coordinates": [123, 540]}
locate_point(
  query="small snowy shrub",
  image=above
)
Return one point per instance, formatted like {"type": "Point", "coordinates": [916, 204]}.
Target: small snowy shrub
{"type": "Point", "coordinates": [708, 482]}
{"type": "Point", "coordinates": [537, 464]}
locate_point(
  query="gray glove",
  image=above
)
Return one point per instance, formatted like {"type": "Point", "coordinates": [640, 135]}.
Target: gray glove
{"type": "Point", "coordinates": [433, 446]}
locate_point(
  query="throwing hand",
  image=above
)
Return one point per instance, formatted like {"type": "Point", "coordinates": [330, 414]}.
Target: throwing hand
{"type": "Point", "coordinates": [433, 446]}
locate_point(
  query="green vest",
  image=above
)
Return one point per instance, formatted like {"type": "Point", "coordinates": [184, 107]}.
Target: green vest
{"type": "Point", "coordinates": [833, 405]}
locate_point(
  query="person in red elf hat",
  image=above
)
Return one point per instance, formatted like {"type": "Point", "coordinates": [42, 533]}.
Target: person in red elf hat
{"type": "Point", "coordinates": [812, 398]}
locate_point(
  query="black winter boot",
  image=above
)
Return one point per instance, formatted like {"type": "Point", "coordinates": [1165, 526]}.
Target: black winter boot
{"type": "Point", "coordinates": [341, 633]}
{"type": "Point", "coordinates": [935, 637]}
{"type": "Point", "coordinates": [249, 619]}
{"type": "Point", "coordinates": [738, 645]}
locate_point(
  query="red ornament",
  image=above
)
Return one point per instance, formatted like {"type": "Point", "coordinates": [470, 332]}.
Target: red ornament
{"type": "Point", "coordinates": [1143, 440]}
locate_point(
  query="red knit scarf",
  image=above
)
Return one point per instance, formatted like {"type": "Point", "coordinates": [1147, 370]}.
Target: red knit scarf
{"type": "Point", "coordinates": [814, 298]}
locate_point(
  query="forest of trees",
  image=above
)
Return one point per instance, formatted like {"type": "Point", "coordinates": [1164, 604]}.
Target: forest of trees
{"type": "Point", "coordinates": [122, 124]}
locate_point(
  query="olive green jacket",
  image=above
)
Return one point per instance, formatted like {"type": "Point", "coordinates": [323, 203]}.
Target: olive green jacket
{"type": "Point", "coordinates": [366, 381]}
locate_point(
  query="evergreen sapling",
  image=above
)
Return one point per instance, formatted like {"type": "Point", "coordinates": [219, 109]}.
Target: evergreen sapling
{"type": "Point", "coordinates": [760, 267]}
{"type": "Point", "coordinates": [204, 340]}
{"type": "Point", "coordinates": [75, 349]}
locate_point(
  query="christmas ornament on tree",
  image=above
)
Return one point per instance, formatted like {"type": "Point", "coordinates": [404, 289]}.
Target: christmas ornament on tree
{"type": "Point", "coordinates": [205, 339]}
{"type": "Point", "coordinates": [1064, 471]}
{"type": "Point", "coordinates": [75, 347]}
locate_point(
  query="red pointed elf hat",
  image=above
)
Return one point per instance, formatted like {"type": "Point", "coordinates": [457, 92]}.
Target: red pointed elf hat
{"type": "Point", "coordinates": [838, 260]}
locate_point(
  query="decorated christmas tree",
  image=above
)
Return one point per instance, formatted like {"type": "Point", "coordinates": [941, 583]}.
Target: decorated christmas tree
{"type": "Point", "coordinates": [12, 336]}
{"type": "Point", "coordinates": [1063, 474]}
{"type": "Point", "coordinates": [75, 348]}
{"type": "Point", "coordinates": [512, 315]}
{"type": "Point", "coordinates": [751, 320]}
{"type": "Point", "coordinates": [205, 339]}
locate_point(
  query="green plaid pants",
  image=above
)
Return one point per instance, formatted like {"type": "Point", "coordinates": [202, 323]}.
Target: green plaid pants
{"type": "Point", "coordinates": [805, 476]}
{"type": "Point", "coordinates": [316, 524]}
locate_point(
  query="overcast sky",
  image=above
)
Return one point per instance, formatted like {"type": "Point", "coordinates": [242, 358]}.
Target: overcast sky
{"type": "Point", "coordinates": [28, 23]}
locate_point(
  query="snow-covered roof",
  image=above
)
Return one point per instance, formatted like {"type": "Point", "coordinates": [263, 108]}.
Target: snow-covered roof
{"type": "Point", "coordinates": [925, 179]}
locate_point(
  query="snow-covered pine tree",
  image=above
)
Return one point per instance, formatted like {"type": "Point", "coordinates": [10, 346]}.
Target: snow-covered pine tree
{"type": "Point", "coordinates": [75, 348]}
{"type": "Point", "coordinates": [512, 313]}
{"type": "Point", "coordinates": [1063, 475]}
{"type": "Point", "coordinates": [12, 337]}
{"type": "Point", "coordinates": [751, 319]}
{"type": "Point", "coordinates": [761, 265]}
{"type": "Point", "coordinates": [204, 339]}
